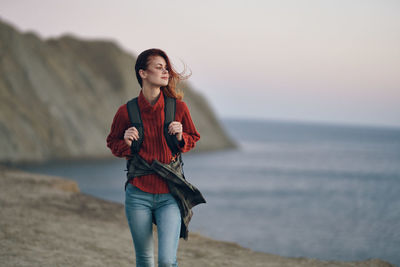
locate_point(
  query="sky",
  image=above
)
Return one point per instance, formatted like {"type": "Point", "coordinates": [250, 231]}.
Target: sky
{"type": "Point", "coordinates": [330, 61]}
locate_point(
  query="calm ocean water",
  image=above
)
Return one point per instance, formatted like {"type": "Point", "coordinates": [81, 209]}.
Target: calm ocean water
{"type": "Point", "coordinates": [298, 190]}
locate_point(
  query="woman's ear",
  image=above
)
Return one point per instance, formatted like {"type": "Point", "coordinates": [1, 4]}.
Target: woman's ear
{"type": "Point", "coordinates": [142, 74]}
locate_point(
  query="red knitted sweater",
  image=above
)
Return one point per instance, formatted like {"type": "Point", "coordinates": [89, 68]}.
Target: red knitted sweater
{"type": "Point", "coordinates": [154, 145]}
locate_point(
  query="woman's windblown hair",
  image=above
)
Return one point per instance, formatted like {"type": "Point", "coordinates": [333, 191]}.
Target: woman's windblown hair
{"type": "Point", "coordinates": [170, 90]}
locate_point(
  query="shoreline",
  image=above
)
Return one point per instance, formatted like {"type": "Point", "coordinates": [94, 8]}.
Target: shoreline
{"type": "Point", "coordinates": [15, 164]}
{"type": "Point", "coordinates": [46, 221]}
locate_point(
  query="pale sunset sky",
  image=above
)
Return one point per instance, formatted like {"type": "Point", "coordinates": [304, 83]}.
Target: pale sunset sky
{"type": "Point", "coordinates": [333, 61]}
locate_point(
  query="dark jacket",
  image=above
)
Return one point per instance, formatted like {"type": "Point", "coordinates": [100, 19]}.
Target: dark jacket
{"type": "Point", "coordinates": [186, 194]}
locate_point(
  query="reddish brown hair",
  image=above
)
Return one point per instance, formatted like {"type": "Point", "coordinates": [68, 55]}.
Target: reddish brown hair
{"type": "Point", "coordinates": [142, 63]}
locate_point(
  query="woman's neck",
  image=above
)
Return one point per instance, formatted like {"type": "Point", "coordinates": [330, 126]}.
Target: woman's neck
{"type": "Point", "coordinates": [151, 94]}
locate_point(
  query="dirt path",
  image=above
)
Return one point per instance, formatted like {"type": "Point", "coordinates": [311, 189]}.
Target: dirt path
{"type": "Point", "coordinates": [45, 221]}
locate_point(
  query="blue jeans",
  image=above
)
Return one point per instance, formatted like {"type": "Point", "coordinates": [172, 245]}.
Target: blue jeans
{"type": "Point", "coordinates": [140, 207]}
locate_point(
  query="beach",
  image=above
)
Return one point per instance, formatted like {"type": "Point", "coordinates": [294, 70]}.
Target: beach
{"type": "Point", "coordinates": [46, 221]}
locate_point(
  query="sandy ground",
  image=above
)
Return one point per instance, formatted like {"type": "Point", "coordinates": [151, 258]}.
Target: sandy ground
{"type": "Point", "coordinates": [46, 221]}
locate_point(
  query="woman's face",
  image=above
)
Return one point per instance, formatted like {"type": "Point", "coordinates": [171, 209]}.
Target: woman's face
{"type": "Point", "coordinates": [156, 73]}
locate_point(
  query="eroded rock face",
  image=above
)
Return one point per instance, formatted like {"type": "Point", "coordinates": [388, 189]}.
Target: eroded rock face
{"type": "Point", "coordinates": [58, 97]}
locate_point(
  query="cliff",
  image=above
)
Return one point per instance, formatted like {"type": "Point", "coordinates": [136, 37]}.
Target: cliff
{"type": "Point", "coordinates": [58, 97]}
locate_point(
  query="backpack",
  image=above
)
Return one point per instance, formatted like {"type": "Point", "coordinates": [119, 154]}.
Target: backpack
{"type": "Point", "coordinates": [134, 116]}
{"type": "Point", "coordinates": [136, 121]}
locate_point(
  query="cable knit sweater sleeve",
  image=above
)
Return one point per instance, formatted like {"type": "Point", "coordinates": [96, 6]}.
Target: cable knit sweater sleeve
{"type": "Point", "coordinates": [189, 134]}
{"type": "Point", "coordinates": [115, 139]}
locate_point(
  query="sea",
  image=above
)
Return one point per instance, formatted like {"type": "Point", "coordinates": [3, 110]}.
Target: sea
{"type": "Point", "coordinates": [324, 191]}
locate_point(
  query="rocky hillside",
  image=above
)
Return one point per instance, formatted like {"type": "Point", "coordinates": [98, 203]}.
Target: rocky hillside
{"type": "Point", "coordinates": [58, 97]}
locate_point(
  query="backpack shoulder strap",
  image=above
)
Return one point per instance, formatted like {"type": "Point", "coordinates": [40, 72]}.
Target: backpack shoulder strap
{"type": "Point", "coordinates": [136, 121]}
{"type": "Point", "coordinates": [169, 111]}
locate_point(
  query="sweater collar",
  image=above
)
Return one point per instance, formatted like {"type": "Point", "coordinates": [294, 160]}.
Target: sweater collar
{"type": "Point", "coordinates": [145, 105]}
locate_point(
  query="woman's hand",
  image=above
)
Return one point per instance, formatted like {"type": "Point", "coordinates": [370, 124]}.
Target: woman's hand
{"type": "Point", "coordinates": [130, 135]}
{"type": "Point", "coordinates": [175, 127]}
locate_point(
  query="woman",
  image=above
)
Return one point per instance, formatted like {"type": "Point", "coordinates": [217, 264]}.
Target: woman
{"type": "Point", "coordinates": [147, 197]}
